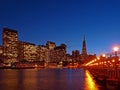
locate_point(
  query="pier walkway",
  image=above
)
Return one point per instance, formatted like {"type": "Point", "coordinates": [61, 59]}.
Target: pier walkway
{"type": "Point", "coordinates": [105, 69]}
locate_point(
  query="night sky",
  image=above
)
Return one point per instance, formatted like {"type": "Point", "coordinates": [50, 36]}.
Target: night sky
{"type": "Point", "coordinates": [64, 21]}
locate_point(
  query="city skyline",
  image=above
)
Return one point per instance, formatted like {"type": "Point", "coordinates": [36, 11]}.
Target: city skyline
{"type": "Point", "coordinates": [9, 30]}
{"type": "Point", "coordinates": [14, 51]}
{"type": "Point", "coordinates": [64, 21]}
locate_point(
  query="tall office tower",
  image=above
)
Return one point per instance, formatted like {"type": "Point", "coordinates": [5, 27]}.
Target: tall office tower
{"type": "Point", "coordinates": [59, 53]}
{"type": "Point", "coordinates": [84, 50]}
{"type": "Point", "coordinates": [43, 53]}
{"type": "Point", "coordinates": [10, 45]}
{"type": "Point", "coordinates": [68, 57]}
{"type": "Point", "coordinates": [75, 56]}
{"type": "Point", "coordinates": [50, 45]}
{"type": "Point", "coordinates": [27, 51]}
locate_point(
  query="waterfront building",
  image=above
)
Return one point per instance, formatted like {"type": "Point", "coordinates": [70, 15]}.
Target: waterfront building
{"type": "Point", "coordinates": [27, 51]}
{"type": "Point", "coordinates": [10, 45]}
{"type": "Point", "coordinates": [1, 52]}
{"type": "Point", "coordinates": [50, 45]}
{"type": "Point", "coordinates": [43, 54]}
{"type": "Point", "coordinates": [75, 56]}
{"type": "Point", "coordinates": [59, 53]}
{"type": "Point", "coordinates": [69, 58]}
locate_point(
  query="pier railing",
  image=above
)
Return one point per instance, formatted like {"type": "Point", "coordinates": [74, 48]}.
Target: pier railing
{"type": "Point", "coordinates": [105, 69]}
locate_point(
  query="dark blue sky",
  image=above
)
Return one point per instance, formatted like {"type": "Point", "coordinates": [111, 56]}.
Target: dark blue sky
{"type": "Point", "coordinates": [64, 21]}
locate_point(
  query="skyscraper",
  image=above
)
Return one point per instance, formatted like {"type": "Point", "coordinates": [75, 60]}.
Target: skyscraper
{"type": "Point", "coordinates": [10, 45]}
{"type": "Point", "coordinates": [84, 50]}
{"type": "Point", "coordinates": [27, 51]}
{"type": "Point", "coordinates": [75, 55]}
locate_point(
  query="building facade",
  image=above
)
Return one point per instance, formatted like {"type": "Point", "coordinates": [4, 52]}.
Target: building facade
{"type": "Point", "coordinates": [59, 53]}
{"type": "Point", "coordinates": [27, 51]}
{"type": "Point", "coordinates": [75, 56]}
{"type": "Point", "coordinates": [43, 53]}
{"type": "Point", "coordinates": [10, 45]}
{"type": "Point", "coordinates": [69, 58]}
{"type": "Point", "coordinates": [1, 53]}
{"type": "Point", "coordinates": [50, 45]}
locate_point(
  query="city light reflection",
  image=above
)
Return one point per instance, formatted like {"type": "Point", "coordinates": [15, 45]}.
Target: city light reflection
{"type": "Point", "coordinates": [89, 82]}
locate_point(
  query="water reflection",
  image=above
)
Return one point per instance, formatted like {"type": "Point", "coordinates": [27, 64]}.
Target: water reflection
{"type": "Point", "coordinates": [89, 82]}
{"type": "Point", "coordinates": [8, 79]}
{"type": "Point", "coordinates": [47, 79]}
{"type": "Point", "coordinates": [30, 79]}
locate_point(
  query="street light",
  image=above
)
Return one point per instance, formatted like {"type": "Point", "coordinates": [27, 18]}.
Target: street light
{"type": "Point", "coordinates": [116, 58]}
{"type": "Point", "coordinates": [103, 59]}
{"type": "Point", "coordinates": [103, 55]}
{"type": "Point", "coordinates": [116, 50]}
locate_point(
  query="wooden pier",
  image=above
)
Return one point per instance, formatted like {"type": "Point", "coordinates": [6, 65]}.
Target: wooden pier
{"type": "Point", "coordinates": [106, 70]}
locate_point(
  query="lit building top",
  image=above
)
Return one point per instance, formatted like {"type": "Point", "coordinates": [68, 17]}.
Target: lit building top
{"type": "Point", "coordinates": [62, 46]}
{"type": "Point", "coordinates": [50, 45]}
{"type": "Point", "coordinates": [9, 30]}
